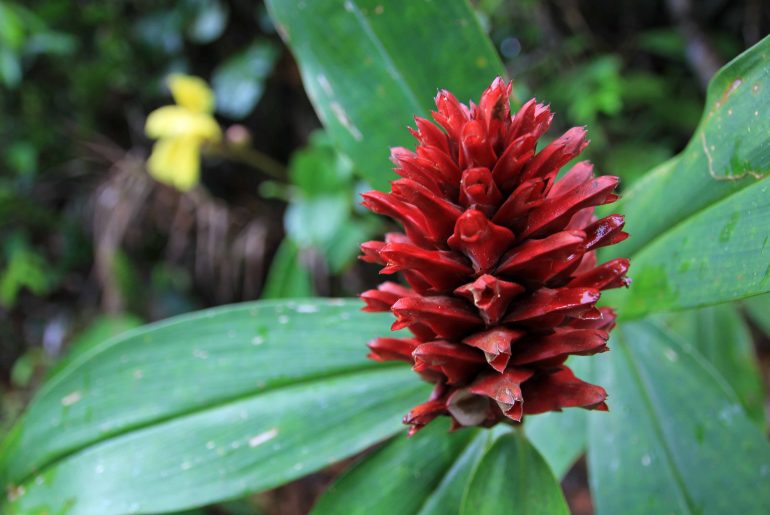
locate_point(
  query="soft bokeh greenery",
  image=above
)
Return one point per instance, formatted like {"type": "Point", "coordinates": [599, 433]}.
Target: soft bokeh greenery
{"type": "Point", "coordinates": [76, 85]}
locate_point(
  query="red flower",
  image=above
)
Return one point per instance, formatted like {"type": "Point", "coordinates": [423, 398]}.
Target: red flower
{"type": "Point", "coordinates": [500, 259]}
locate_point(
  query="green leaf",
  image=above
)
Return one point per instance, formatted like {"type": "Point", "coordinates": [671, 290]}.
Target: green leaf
{"type": "Point", "coordinates": [99, 330]}
{"type": "Point", "coordinates": [447, 497]}
{"type": "Point", "coordinates": [209, 22]}
{"type": "Point", "coordinates": [560, 437]}
{"type": "Point", "coordinates": [513, 478]}
{"type": "Point", "coordinates": [369, 66]}
{"type": "Point", "coordinates": [318, 169]}
{"type": "Point", "coordinates": [206, 407]}
{"type": "Point", "coordinates": [699, 223]}
{"type": "Point", "coordinates": [288, 277]}
{"type": "Point", "coordinates": [240, 80]}
{"type": "Point", "coordinates": [403, 475]}
{"type": "Point", "coordinates": [312, 222]}
{"type": "Point", "coordinates": [676, 439]}
{"type": "Point", "coordinates": [720, 335]}
{"type": "Point", "coordinates": [758, 309]}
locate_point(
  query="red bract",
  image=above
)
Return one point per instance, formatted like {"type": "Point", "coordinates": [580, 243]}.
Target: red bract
{"type": "Point", "coordinates": [500, 261]}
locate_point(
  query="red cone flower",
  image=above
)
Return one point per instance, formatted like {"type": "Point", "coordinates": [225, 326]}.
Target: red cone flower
{"type": "Point", "coordinates": [500, 260]}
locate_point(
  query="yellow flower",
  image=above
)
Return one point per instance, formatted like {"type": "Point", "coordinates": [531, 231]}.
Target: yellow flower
{"type": "Point", "coordinates": [181, 130]}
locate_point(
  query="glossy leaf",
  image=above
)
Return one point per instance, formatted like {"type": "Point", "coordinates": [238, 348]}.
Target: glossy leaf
{"type": "Point", "coordinates": [676, 439]}
{"type": "Point", "coordinates": [406, 474]}
{"type": "Point", "coordinates": [240, 80]}
{"type": "Point", "coordinates": [196, 409]}
{"type": "Point", "coordinates": [720, 335]}
{"type": "Point", "coordinates": [288, 277]}
{"type": "Point", "coordinates": [513, 478]}
{"type": "Point", "coordinates": [369, 66]}
{"type": "Point", "coordinates": [706, 242]}
{"type": "Point", "coordinates": [447, 497]}
{"type": "Point", "coordinates": [560, 437]}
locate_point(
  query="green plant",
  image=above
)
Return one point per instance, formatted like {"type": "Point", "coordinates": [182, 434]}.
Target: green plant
{"type": "Point", "coordinates": [238, 399]}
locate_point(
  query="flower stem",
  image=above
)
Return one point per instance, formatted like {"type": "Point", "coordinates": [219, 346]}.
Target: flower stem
{"type": "Point", "coordinates": [250, 157]}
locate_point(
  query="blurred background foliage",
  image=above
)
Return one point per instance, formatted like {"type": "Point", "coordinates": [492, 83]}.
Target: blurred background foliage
{"type": "Point", "coordinates": [90, 245]}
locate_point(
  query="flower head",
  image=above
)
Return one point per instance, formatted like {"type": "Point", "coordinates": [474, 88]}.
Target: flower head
{"type": "Point", "coordinates": [499, 257]}
{"type": "Point", "coordinates": [181, 130]}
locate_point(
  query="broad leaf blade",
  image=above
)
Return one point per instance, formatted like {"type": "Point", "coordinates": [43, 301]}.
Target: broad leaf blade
{"type": "Point", "coordinates": [369, 66]}
{"type": "Point", "coordinates": [288, 277]}
{"type": "Point", "coordinates": [699, 223]}
{"type": "Point", "coordinates": [720, 335]}
{"type": "Point", "coordinates": [560, 436]}
{"type": "Point", "coordinates": [182, 372]}
{"type": "Point", "coordinates": [513, 478]}
{"type": "Point", "coordinates": [735, 129]}
{"type": "Point", "coordinates": [677, 439]}
{"type": "Point", "coordinates": [719, 255]}
{"type": "Point", "coordinates": [228, 451]}
{"type": "Point", "coordinates": [400, 477]}
{"type": "Point", "coordinates": [448, 495]}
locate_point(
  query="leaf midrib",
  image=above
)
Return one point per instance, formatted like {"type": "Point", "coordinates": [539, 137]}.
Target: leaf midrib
{"type": "Point", "coordinates": [389, 62]}
{"type": "Point", "coordinates": [655, 423]}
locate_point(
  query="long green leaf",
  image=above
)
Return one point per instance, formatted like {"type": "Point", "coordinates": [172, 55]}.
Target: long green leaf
{"type": "Point", "coordinates": [677, 439]}
{"type": "Point", "coordinates": [513, 478]}
{"type": "Point", "coordinates": [721, 254]}
{"type": "Point", "coordinates": [206, 407]}
{"type": "Point", "coordinates": [699, 223]}
{"type": "Point", "coordinates": [288, 277]}
{"type": "Point", "coordinates": [369, 66]}
{"type": "Point", "coordinates": [560, 436]}
{"type": "Point", "coordinates": [720, 335]}
{"type": "Point", "coordinates": [402, 476]}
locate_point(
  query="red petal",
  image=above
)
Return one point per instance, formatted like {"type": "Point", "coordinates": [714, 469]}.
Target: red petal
{"type": "Point", "coordinates": [607, 231]}
{"type": "Point", "coordinates": [371, 250]}
{"type": "Point", "coordinates": [605, 321]}
{"type": "Point", "coordinates": [561, 389]}
{"type": "Point", "coordinates": [457, 362]}
{"type": "Point", "coordinates": [504, 389]}
{"type": "Point", "coordinates": [476, 147]}
{"type": "Point", "coordinates": [384, 296]}
{"type": "Point", "coordinates": [423, 414]}
{"type": "Point", "coordinates": [532, 118]}
{"type": "Point", "coordinates": [451, 114]}
{"type": "Point", "coordinates": [562, 342]}
{"type": "Point", "coordinates": [441, 213]}
{"type": "Point", "coordinates": [443, 270]}
{"type": "Point", "coordinates": [490, 295]}
{"type": "Point", "coordinates": [408, 166]}
{"type": "Point", "coordinates": [417, 227]}
{"type": "Point", "coordinates": [545, 301]}
{"type": "Point", "coordinates": [481, 240]}
{"type": "Point", "coordinates": [447, 317]}
{"type": "Point", "coordinates": [537, 261]}
{"type": "Point", "coordinates": [555, 212]}
{"type": "Point", "coordinates": [495, 109]}
{"type": "Point", "coordinates": [611, 274]}
{"type": "Point", "coordinates": [440, 164]}
{"type": "Point", "coordinates": [510, 164]}
{"type": "Point", "coordinates": [496, 344]}
{"type": "Point", "coordinates": [392, 349]}
{"type": "Point", "coordinates": [575, 176]}
{"type": "Point", "coordinates": [479, 191]}
{"type": "Point", "coordinates": [524, 198]}
{"type": "Point", "coordinates": [548, 162]}
{"type": "Point", "coordinates": [429, 135]}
